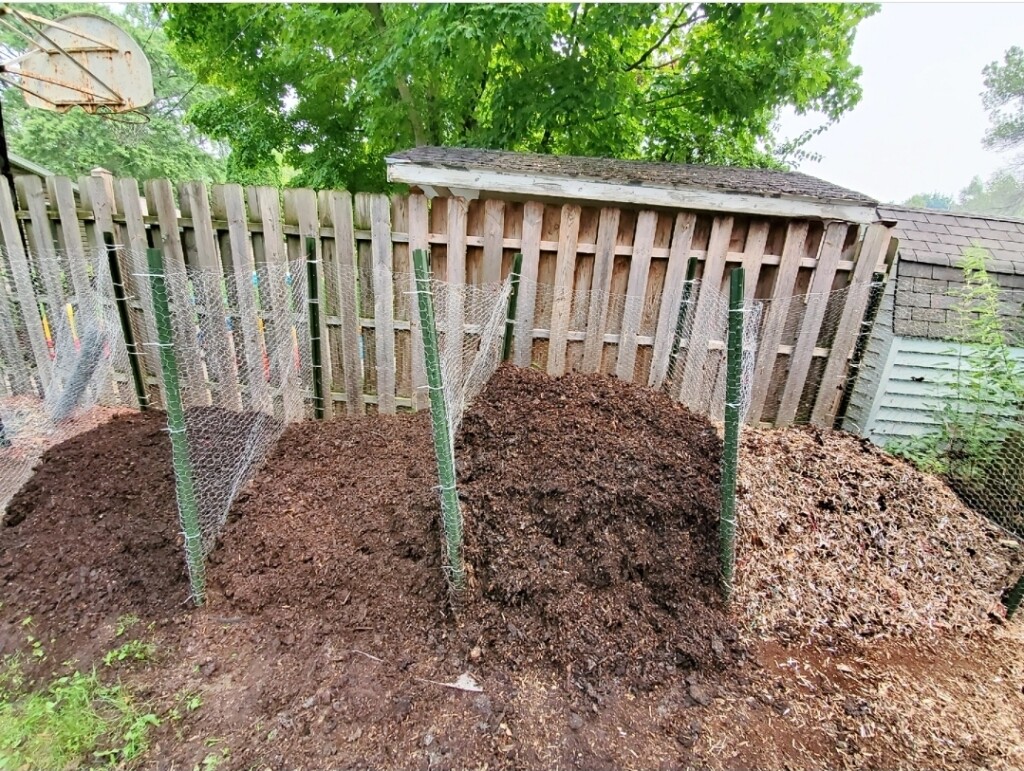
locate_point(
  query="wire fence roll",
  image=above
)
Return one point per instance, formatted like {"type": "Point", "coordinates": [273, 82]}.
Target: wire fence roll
{"type": "Point", "coordinates": [62, 360]}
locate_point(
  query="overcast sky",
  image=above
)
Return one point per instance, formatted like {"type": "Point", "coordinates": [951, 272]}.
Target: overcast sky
{"type": "Point", "coordinates": [920, 124]}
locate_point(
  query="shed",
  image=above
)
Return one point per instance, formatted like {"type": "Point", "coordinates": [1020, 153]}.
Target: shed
{"type": "Point", "coordinates": [614, 238]}
{"type": "Point", "coordinates": [912, 356]}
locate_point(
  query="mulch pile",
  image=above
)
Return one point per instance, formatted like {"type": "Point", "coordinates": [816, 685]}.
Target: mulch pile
{"type": "Point", "coordinates": [844, 542]}
{"type": "Point", "coordinates": [339, 533]}
{"type": "Point", "coordinates": [94, 534]}
{"type": "Point", "coordinates": [591, 508]}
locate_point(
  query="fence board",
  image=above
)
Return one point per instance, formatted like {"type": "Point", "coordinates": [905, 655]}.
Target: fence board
{"type": "Point", "coordinates": [300, 208]}
{"type": "Point", "coordinates": [134, 269]}
{"type": "Point", "coordinates": [707, 298]}
{"type": "Point", "coordinates": [41, 241]}
{"type": "Point", "coordinates": [597, 313]}
{"type": "Point", "coordinates": [161, 199]}
{"type": "Point", "coordinates": [636, 289]}
{"type": "Point", "coordinates": [810, 325]}
{"type": "Point", "coordinates": [210, 297]}
{"type": "Point", "coordinates": [773, 324]}
{"type": "Point", "coordinates": [494, 237]}
{"type": "Point", "coordinates": [229, 200]}
{"type": "Point", "coordinates": [17, 264]}
{"type": "Point", "coordinates": [339, 210]}
{"type": "Point", "coordinates": [383, 301]}
{"type": "Point", "coordinates": [458, 212]}
{"type": "Point", "coordinates": [533, 219]}
{"type": "Point", "coordinates": [63, 196]}
{"type": "Point", "coordinates": [672, 295]}
{"type": "Point", "coordinates": [418, 239]}
{"type": "Point", "coordinates": [873, 249]}
{"type": "Point", "coordinates": [753, 257]}
{"type": "Point", "coordinates": [561, 305]}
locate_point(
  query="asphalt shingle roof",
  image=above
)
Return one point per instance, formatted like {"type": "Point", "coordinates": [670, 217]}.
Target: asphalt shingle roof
{"type": "Point", "coordinates": [727, 179]}
{"type": "Point", "coordinates": [939, 238]}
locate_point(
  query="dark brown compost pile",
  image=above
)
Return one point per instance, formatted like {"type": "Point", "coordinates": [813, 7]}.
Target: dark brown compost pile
{"type": "Point", "coordinates": [591, 508]}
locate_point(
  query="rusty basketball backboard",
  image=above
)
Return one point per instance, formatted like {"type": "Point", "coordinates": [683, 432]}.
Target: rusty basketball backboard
{"type": "Point", "coordinates": [79, 60]}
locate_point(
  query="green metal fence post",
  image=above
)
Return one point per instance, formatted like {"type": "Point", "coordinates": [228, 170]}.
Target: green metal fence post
{"type": "Point", "coordinates": [513, 299]}
{"type": "Point", "coordinates": [313, 291]}
{"type": "Point", "coordinates": [684, 304]}
{"type": "Point", "coordinates": [121, 300]}
{"type": "Point", "coordinates": [439, 420]}
{"type": "Point", "coordinates": [730, 453]}
{"type": "Point", "coordinates": [184, 481]}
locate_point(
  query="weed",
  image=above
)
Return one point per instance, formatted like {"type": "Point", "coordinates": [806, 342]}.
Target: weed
{"type": "Point", "coordinates": [133, 650]}
{"type": "Point", "coordinates": [125, 623]}
{"type": "Point", "coordinates": [74, 720]}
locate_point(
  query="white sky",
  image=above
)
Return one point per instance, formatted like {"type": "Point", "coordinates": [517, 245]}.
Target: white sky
{"type": "Point", "coordinates": [919, 126]}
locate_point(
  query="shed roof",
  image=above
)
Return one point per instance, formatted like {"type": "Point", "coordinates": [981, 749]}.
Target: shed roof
{"type": "Point", "coordinates": [939, 238]}
{"type": "Point", "coordinates": [727, 188]}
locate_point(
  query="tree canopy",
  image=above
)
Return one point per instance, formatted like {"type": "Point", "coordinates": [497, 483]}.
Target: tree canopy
{"type": "Point", "coordinates": [1004, 99]}
{"type": "Point", "coordinates": [75, 142]}
{"type": "Point", "coordinates": [331, 89]}
{"type": "Point", "coordinates": [1002, 195]}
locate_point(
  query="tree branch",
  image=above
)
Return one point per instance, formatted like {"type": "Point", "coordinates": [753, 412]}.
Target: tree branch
{"type": "Point", "coordinates": [676, 24]}
{"type": "Point", "coordinates": [418, 132]}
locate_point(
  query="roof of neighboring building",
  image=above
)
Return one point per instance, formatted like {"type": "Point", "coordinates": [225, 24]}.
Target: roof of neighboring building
{"type": "Point", "coordinates": [18, 163]}
{"type": "Point", "coordinates": [762, 191]}
{"type": "Point", "coordinates": [939, 237]}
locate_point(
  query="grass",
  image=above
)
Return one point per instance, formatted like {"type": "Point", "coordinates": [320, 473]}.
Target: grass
{"type": "Point", "coordinates": [76, 720]}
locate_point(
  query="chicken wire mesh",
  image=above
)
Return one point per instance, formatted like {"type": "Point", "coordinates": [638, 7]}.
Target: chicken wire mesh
{"type": "Point", "coordinates": [462, 327]}
{"type": "Point", "coordinates": [241, 376]}
{"type": "Point", "coordinates": [63, 364]}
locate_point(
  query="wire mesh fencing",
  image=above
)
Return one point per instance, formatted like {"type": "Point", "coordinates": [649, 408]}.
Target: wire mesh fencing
{"type": "Point", "coordinates": [232, 382]}
{"type": "Point", "coordinates": [63, 364]}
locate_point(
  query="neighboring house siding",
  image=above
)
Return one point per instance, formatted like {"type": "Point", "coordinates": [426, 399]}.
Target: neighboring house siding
{"type": "Point", "coordinates": [917, 377]}
{"type": "Point", "coordinates": [869, 374]}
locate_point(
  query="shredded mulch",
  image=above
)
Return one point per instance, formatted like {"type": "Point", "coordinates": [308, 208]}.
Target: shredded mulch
{"type": "Point", "coordinates": [93, 534]}
{"type": "Point", "coordinates": [842, 541]}
{"type": "Point", "coordinates": [591, 508]}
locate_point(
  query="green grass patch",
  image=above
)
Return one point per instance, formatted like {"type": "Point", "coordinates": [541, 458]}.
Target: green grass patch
{"type": "Point", "coordinates": [74, 721]}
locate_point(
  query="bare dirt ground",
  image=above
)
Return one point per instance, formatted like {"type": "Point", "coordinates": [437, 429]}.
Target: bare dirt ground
{"type": "Point", "coordinates": [330, 641]}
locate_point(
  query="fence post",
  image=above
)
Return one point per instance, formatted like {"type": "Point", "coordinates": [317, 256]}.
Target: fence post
{"type": "Point", "coordinates": [439, 421]}
{"type": "Point", "coordinates": [184, 482]}
{"type": "Point", "coordinates": [1014, 597]}
{"type": "Point", "coordinates": [121, 300]}
{"type": "Point", "coordinates": [677, 338]}
{"type": "Point", "coordinates": [513, 298]}
{"type": "Point", "coordinates": [730, 453]}
{"type": "Point", "coordinates": [313, 290]}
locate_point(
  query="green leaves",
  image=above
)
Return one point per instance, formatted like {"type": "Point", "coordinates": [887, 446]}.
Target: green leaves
{"type": "Point", "coordinates": [1004, 99]}
{"type": "Point", "coordinates": [334, 88]}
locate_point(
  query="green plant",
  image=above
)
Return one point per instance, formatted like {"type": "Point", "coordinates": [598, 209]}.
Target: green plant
{"type": "Point", "coordinates": [125, 623]}
{"type": "Point", "coordinates": [74, 720]}
{"type": "Point", "coordinates": [133, 650]}
{"type": "Point", "coordinates": [986, 402]}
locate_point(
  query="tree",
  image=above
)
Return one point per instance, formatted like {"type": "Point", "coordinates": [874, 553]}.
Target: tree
{"type": "Point", "coordinates": [1004, 99]}
{"type": "Point", "coordinates": [938, 201]}
{"type": "Point", "coordinates": [75, 142]}
{"type": "Point", "coordinates": [1001, 196]}
{"type": "Point", "coordinates": [334, 88]}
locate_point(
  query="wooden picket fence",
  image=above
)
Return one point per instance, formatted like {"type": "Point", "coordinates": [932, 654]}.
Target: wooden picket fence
{"type": "Point", "coordinates": [363, 246]}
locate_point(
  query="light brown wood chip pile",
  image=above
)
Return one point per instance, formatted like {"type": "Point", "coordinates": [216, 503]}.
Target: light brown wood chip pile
{"type": "Point", "coordinates": [839, 540]}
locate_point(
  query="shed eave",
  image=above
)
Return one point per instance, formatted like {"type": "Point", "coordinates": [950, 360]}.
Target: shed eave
{"type": "Point", "coordinates": [640, 194]}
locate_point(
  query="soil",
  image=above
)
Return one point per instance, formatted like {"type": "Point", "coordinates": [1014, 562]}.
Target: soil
{"type": "Point", "coordinates": [329, 639]}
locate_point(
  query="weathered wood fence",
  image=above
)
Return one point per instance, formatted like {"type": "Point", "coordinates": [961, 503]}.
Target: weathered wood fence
{"type": "Point", "coordinates": [363, 249]}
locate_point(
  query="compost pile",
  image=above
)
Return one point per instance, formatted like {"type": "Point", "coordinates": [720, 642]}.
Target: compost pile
{"type": "Point", "coordinates": [94, 532]}
{"type": "Point", "coordinates": [842, 541]}
{"type": "Point", "coordinates": [591, 509]}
